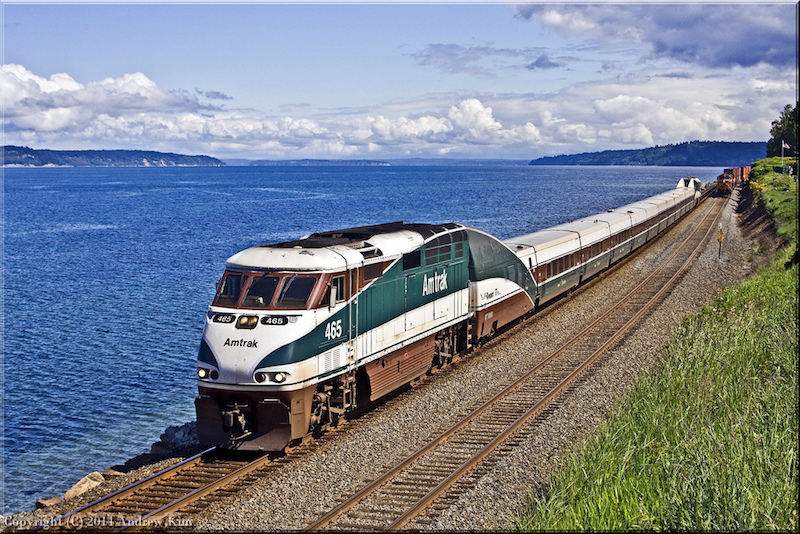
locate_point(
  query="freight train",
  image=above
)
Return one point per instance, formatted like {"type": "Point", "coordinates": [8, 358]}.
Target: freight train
{"type": "Point", "coordinates": [730, 177]}
{"type": "Point", "coordinates": [302, 332]}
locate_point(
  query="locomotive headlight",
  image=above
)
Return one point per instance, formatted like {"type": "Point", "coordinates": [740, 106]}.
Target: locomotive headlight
{"type": "Point", "coordinates": [278, 378]}
{"type": "Point", "coordinates": [205, 374]}
{"type": "Point", "coordinates": [247, 322]}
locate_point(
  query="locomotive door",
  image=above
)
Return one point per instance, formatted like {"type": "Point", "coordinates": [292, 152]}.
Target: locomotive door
{"type": "Point", "coordinates": [414, 311]}
{"type": "Point", "coordinates": [352, 320]}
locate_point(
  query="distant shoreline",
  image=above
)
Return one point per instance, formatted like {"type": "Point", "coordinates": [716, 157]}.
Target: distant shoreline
{"type": "Point", "coordinates": [51, 166]}
{"type": "Point", "coordinates": [689, 154]}
{"type": "Point", "coordinates": [16, 156]}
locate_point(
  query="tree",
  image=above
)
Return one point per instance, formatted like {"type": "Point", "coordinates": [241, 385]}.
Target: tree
{"type": "Point", "coordinates": [784, 130]}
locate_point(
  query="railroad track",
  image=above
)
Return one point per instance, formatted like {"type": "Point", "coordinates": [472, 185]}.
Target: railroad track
{"type": "Point", "coordinates": [411, 492]}
{"type": "Point", "coordinates": [165, 499]}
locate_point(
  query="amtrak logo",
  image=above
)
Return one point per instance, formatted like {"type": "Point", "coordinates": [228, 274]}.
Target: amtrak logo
{"type": "Point", "coordinates": [437, 282]}
{"type": "Point", "coordinates": [241, 343]}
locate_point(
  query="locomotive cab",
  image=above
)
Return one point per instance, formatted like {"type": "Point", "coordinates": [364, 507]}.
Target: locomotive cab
{"type": "Point", "coordinates": [245, 404]}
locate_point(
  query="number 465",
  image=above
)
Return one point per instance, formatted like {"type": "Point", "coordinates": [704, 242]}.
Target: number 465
{"type": "Point", "coordinates": [333, 329]}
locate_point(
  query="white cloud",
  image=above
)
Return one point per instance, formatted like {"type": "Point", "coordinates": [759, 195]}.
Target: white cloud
{"type": "Point", "coordinates": [474, 119]}
{"type": "Point", "coordinates": [458, 59]}
{"type": "Point", "coordinates": [566, 22]}
{"type": "Point", "coordinates": [636, 134]}
{"type": "Point", "coordinates": [643, 108]}
{"type": "Point", "coordinates": [49, 104]}
{"type": "Point", "coordinates": [711, 35]}
{"type": "Point", "coordinates": [402, 129]}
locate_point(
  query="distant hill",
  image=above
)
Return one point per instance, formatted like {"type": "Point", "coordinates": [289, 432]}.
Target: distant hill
{"type": "Point", "coordinates": [690, 154]}
{"type": "Point", "coordinates": [237, 162]}
{"type": "Point", "coordinates": [28, 157]}
{"type": "Point", "coordinates": [453, 162]}
{"type": "Point", "coordinates": [317, 162]}
{"type": "Point", "coordinates": [427, 162]}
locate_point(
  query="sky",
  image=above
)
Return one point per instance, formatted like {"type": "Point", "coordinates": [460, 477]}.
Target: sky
{"type": "Point", "coordinates": [357, 80]}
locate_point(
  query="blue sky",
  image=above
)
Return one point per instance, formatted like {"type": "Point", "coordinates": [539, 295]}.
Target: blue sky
{"type": "Point", "coordinates": [356, 80]}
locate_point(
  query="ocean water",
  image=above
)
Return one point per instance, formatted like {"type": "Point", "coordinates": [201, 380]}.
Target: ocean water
{"type": "Point", "coordinates": [108, 273]}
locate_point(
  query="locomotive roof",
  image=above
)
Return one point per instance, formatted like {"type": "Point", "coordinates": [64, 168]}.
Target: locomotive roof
{"type": "Point", "coordinates": [364, 233]}
{"type": "Point", "coordinates": [341, 249]}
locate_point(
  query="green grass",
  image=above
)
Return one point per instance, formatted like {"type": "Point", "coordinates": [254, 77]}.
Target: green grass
{"type": "Point", "coordinates": [778, 193]}
{"type": "Point", "coordinates": [709, 440]}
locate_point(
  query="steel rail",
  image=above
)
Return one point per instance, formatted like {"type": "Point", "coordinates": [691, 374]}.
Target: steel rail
{"type": "Point", "coordinates": [346, 505]}
{"type": "Point", "coordinates": [82, 517]}
{"type": "Point", "coordinates": [154, 517]}
{"type": "Point", "coordinates": [124, 492]}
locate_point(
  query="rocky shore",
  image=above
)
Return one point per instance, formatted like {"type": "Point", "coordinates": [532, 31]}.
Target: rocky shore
{"type": "Point", "coordinates": [291, 497]}
{"type": "Point", "coordinates": [175, 444]}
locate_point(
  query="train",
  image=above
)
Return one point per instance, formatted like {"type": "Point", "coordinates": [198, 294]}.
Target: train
{"type": "Point", "coordinates": [730, 177]}
{"type": "Point", "coordinates": [301, 333]}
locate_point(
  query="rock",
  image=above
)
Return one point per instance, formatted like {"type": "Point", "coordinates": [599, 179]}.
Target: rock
{"type": "Point", "coordinates": [85, 484]}
{"type": "Point", "coordinates": [111, 473]}
{"type": "Point", "coordinates": [48, 501]}
{"type": "Point", "coordinates": [180, 437]}
{"type": "Point", "coordinates": [137, 462]}
{"type": "Point", "coordinates": [159, 448]}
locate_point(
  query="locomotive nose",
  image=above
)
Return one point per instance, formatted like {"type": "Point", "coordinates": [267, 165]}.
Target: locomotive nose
{"type": "Point", "coordinates": [243, 423]}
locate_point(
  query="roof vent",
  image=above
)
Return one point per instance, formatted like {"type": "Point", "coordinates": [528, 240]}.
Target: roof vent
{"type": "Point", "coordinates": [373, 252]}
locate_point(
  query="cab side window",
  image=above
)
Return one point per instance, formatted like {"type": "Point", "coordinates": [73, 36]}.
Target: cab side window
{"type": "Point", "coordinates": [412, 260]}
{"type": "Point", "coordinates": [337, 282]}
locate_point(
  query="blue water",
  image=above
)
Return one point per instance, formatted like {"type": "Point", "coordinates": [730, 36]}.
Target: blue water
{"type": "Point", "coordinates": [108, 273]}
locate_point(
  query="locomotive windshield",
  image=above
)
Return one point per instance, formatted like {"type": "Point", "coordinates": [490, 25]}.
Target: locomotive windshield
{"type": "Point", "coordinates": [260, 292]}
{"type": "Point", "coordinates": [295, 291]}
{"type": "Point", "coordinates": [265, 290]}
{"type": "Point", "coordinates": [230, 290]}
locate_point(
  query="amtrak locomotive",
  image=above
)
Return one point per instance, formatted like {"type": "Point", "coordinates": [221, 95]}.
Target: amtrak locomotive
{"type": "Point", "coordinates": [302, 332]}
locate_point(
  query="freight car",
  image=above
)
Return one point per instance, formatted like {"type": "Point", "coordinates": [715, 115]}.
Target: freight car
{"type": "Point", "coordinates": [302, 332]}
{"type": "Point", "coordinates": [739, 174]}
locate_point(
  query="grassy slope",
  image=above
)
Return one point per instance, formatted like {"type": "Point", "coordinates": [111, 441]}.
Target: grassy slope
{"type": "Point", "coordinates": [709, 440]}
